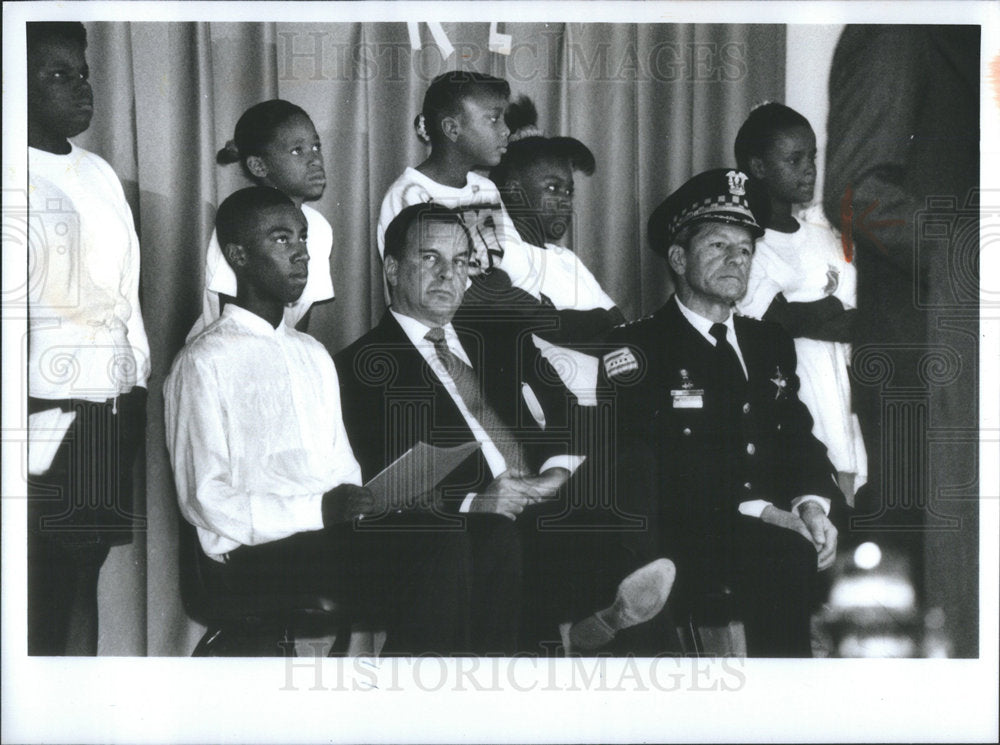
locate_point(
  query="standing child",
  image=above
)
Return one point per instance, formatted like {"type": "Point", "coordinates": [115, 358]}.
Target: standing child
{"type": "Point", "coordinates": [276, 144]}
{"type": "Point", "coordinates": [801, 279]}
{"type": "Point", "coordinates": [88, 355]}
{"type": "Point", "coordinates": [463, 121]}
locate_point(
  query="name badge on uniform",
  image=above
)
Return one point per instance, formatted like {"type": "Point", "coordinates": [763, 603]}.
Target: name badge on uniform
{"type": "Point", "coordinates": [687, 396]}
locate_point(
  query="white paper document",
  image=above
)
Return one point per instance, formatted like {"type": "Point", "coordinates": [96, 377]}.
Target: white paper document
{"type": "Point", "coordinates": [46, 431]}
{"type": "Point", "coordinates": [419, 470]}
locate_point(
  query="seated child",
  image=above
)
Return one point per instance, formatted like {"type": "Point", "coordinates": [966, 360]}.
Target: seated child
{"type": "Point", "coordinates": [276, 144]}
{"type": "Point", "coordinates": [535, 179]}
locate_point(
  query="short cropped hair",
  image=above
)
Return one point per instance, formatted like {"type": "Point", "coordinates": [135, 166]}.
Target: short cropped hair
{"type": "Point", "coordinates": [397, 232]}
{"type": "Point", "coordinates": [237, 211]}
{"type": "Point", "coordinates": [40, 32]}
{"type": "Point", "coordinates": [760, 128]}
{"type": "Point", "coordinates": [446, 92]}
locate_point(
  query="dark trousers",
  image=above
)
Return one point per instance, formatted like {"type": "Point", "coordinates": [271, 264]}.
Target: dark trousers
{"type": "Point", "coordinates": [62, 596]}
{"type": "Point", "coordinates": [577, 550]}
{"type": "Point", "coordinates": [77, 510]}
{"type": "Point", "coordinates": [441, 591]}
{"type": "Point", "coordinates": [770, 575]}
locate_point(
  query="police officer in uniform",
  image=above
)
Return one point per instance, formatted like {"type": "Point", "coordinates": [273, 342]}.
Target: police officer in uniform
{"type": "Point", "coordinates": [712, 445]}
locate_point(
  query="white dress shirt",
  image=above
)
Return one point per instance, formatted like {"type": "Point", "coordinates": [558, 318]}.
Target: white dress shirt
{"type": "Point", "coordinates": [255, 432]}
{"type": "Point", "coordinates": [416, 332]}
{"type": "Point", "coordinates": [752, 507]}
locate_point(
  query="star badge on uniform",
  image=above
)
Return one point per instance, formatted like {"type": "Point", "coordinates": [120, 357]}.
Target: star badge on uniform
{"type": "Point", "coordinates": [780, 384]}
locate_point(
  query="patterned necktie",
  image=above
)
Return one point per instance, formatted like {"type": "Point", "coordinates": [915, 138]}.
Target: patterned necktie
{"type": "Point", "coordinates": [730, 369]}
{"type": "Point", "coordinates": [470, 391]}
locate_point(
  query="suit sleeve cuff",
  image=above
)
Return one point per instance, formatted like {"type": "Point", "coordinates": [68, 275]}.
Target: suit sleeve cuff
{"type": "Point", "coordinates": [569, 462]}
{"type": "Point", "coordinates": [753, 507]}
{"type": "Point", "coordinates": [467, 502]}
{"type": "Point", "coordinates": [823, 502]}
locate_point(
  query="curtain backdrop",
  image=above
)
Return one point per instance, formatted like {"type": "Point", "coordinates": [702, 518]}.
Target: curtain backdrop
{"type": "Point", "coordinates": [656, 104]}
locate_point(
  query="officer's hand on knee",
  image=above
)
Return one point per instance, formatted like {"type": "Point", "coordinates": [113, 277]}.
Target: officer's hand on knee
{"type": "Point", "coordinates": [823, 533]}
{"type": "Point", "coordinates": [785, 519]}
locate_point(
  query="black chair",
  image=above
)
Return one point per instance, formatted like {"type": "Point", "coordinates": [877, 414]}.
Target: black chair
{"type": "Point", "coordinates": [257, 625]}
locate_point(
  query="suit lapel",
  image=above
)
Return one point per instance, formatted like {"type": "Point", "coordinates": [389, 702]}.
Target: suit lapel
{"type": "Point", "coordinates": [413, 372]}
{"type": "Point", "coordinates": [416, 374]}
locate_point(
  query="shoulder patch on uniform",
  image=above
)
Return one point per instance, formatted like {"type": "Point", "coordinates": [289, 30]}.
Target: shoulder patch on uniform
{"type": "Point", "coordinates": [620, 361]}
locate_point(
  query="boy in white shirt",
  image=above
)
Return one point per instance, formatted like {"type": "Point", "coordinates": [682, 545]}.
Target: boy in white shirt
{"type": "Point", "coordinates": [264, 468]}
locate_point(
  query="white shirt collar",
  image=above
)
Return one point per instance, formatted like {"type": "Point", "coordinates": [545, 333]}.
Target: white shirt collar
{"type": "Point", "coordinates": [416, 331]}
{"type": "Point", "coordinates": [251, 321]}
{"type": "Point", "coordinates": [703, 325]}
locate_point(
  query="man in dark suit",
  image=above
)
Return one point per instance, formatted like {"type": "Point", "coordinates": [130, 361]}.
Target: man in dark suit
{"type": "Point", "coordinates": [417, 376]}
{"type": "Point", "coordinates": [902, 180]}
{"type": "Point", "coordinates": [712, 445]}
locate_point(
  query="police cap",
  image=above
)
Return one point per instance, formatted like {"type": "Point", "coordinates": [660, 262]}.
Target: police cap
{"type": "Point", "coordinates": [724, 195]}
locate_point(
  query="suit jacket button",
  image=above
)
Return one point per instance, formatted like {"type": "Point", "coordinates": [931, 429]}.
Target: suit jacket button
{"type": "Point", "coordinates": [779, 426]}
{"type": "Point", "coordinates": [751, 449]}
{"type": "Point", "coordinates": [748, 486]}
{"type": "Point", "coordinates": [746, 408]}
{"type": "Point", "coordinates": [687, 431]}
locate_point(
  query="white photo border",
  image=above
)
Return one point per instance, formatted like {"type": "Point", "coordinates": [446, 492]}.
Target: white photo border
{"type": "Point", "coordinates": [528, 700]}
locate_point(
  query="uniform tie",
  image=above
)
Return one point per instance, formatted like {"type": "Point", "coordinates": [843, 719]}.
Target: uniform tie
{"type": "Point", "coordinates": [730, 369]}
{"type": "Point", "coordinates": [470, 391]}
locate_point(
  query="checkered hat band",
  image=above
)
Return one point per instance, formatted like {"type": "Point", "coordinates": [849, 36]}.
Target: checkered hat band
{"type": "Point", "coordinates": [730, 203]}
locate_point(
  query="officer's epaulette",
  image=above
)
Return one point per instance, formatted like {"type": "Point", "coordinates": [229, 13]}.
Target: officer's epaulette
{"type": "Point", "coordinates": [635, 322]}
